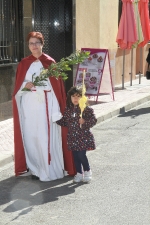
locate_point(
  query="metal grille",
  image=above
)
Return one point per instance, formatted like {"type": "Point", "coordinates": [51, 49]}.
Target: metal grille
{"type": "Point", "coordinates": [53, 18]}
{"type": "Point", "coordinates": [11, 38]}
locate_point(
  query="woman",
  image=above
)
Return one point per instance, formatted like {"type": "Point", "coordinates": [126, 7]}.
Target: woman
{"type": "Point", "coordinates": [40, 144]}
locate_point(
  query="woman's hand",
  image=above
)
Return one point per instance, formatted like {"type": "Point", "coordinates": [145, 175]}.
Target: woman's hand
{"type": "Point", "coordinates": [81, 121]}
{"type": "Point", "coordinates": [29, 85]}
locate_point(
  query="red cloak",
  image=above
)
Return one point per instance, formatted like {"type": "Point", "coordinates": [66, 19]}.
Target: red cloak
{"type": "Point", "coordinates": [58, 87]}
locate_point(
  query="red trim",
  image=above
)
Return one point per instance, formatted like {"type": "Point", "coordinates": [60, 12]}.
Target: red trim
{"type": "Point", "coordinates": [59, 90]}
{"type": "Point", "coordinates": [48, 124]}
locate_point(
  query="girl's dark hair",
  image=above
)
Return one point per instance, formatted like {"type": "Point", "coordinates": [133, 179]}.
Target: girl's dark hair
{"type": "Point", "coordinates": [72, 91]}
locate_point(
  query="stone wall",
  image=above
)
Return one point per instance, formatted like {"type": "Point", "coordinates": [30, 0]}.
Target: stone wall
{"type": "Point", "coordinates": [7, 79]}
{"type": "Point", "coordinates": [8, 71]}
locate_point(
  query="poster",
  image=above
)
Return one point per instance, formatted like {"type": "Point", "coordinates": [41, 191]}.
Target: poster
{"type": "Point", "coordinates": [98, 77]}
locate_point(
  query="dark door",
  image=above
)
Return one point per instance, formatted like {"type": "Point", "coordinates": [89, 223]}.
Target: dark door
{"type": "Point", "coordinates": [53, 18]}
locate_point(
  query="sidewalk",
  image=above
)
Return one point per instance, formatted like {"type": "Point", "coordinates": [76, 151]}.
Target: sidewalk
{"type": "Point", "coordinates": [106, 108]}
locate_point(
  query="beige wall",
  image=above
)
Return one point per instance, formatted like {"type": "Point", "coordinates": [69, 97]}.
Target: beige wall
{"type": "Point", "coordinates": [96, 23]}
{"type": "Point", "coordinates": [97, 27]}
{"type": "Point", "coordinates": [108, 23]}
{"type": "Point", "coordinates": [87, 23]}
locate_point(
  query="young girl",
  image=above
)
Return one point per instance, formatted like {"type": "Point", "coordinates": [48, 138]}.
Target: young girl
{"type": "Point", "coordinates": [79, 139]}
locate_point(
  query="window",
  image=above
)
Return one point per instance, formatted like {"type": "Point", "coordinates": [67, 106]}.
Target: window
{"type": "Point", "coordinates": [11, 35]}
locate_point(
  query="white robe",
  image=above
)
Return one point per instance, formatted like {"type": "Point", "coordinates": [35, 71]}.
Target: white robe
{"type": "Point", "coordinates": [34, 128]}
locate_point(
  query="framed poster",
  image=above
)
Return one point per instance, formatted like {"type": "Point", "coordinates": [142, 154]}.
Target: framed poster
{"type": "Point", "coordinates": [98, 78]}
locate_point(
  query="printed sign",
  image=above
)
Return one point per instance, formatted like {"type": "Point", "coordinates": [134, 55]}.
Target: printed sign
{"type": "Point", "coordinates": [98, 77]}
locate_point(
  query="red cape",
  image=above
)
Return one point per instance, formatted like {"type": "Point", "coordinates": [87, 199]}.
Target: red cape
{"type": "Point", "coordinates": [58, 87]}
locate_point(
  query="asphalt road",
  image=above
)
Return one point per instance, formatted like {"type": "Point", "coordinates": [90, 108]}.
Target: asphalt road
{"type": "Point", "coordinates": [119, 193]}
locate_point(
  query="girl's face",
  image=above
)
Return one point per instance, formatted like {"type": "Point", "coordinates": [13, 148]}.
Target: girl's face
{"type": "Point", "coordinates": [75, 99]}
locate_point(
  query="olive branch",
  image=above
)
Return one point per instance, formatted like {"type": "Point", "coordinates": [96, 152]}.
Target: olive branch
{"type": "Point", "coordinates": [60, 68]}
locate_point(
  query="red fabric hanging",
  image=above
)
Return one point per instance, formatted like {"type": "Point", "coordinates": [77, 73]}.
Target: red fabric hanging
{"type": "Point", "coordinates": [127, 32]}
{"type": "Point", "coordinates": [144, 16]}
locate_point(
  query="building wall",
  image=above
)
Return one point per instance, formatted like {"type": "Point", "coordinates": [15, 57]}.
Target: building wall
{"type": "Point", "coordinates": [8, 71]}
{"type": "Point", "coordinates": [97, 27]}
{"type": "Point", "coordinates": [87, 23]}
{"type": "Point", "coordinates": [7, 79]}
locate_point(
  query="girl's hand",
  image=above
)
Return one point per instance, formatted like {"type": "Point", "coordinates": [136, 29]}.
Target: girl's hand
{"type": "Point", "coordinates": [81, 121]}
{"type": "Point", "coordinates": [29, 85]}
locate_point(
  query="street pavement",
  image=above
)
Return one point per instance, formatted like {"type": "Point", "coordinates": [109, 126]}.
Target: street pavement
{"type": "Point", "coordinates": [105, 108]}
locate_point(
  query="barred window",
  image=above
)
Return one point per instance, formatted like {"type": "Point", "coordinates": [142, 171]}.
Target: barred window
{"type": "Point", "coordinates": [54, 19]}
{"type": "Point", "coordinates": [11, 31]}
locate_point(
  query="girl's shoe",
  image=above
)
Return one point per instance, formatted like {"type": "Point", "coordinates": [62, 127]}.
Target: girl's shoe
{"type": "Point", "coordinates": [78, 178]}
{"type": "Point", "coordinates": [87, 176]}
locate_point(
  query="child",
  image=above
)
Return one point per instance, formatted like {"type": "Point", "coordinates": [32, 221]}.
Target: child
{"type": "Point", "coordinates": [79, 138]}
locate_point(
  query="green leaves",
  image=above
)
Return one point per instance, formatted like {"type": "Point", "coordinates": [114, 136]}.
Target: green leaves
{"type": "Point", "coordinates": [60, 69]}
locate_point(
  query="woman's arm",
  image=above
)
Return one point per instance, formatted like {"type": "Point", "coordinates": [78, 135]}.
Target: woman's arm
{"type": "Point", "coordinates": [63, 121]}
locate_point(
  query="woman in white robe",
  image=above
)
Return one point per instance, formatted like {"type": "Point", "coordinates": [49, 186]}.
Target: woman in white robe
{"type": "Point", "coordinates": [38, 109]}
{"type": "Point", "coordinates": [34, 128]}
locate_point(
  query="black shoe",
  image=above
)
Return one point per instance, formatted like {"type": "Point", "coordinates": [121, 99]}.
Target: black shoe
{"type": "Point", "coordinates": [35, 177]}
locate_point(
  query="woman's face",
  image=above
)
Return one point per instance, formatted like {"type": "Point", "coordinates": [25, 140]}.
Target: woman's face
{"type": "Point", "coordinates": [35, 46]}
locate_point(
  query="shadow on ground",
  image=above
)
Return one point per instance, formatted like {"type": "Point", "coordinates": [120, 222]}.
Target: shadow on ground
{"type": "Point", "coordinates": [134, 113]}
{"type": "Point", "coordinates": [23, 193]}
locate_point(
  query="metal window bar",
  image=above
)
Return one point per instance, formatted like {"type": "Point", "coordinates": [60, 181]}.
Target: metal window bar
{"type": "Point", "coordinates": [11, 35]}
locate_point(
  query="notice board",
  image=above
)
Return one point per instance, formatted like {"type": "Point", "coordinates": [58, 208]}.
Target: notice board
{"type": "Point", "coordinates": [98, 78]}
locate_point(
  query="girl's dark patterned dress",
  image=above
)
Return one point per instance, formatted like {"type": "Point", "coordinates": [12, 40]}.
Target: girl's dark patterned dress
{"type": "Point", "coordinates": [79, 138]}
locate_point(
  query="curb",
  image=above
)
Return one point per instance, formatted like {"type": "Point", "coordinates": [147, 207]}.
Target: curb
{"type": "Point", "coordinates": [122, 109]}
{"type": "Point", "coordinates": [7, 160]}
